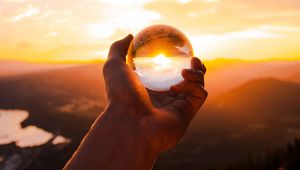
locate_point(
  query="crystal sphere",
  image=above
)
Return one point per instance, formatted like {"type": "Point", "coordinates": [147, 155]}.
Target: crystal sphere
{"type": "Point", "coordinates": [158, 54]}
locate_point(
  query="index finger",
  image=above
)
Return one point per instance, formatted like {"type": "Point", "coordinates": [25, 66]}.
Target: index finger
{"type": "Point", "coordinates": [197, 93]}
{"type": "Point", "coordinates": [197, 64]}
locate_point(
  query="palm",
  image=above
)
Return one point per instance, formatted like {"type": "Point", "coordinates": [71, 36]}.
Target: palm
{"type": "Point", "coordinates": [170, 100]}
{"type": "Point", "coordinates": [169, 118]}
{"type": "Point", "coordinates": [165, 98]}
{"type": "Point", "coordinates": [163, 116]}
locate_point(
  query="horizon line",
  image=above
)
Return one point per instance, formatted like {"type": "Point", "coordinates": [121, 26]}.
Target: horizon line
{"type": "Point", "coordinates": [101, 60]}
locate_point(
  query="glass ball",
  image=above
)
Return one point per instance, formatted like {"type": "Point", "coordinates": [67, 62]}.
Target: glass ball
{"type": "Point", "coordinates": [158, 54]}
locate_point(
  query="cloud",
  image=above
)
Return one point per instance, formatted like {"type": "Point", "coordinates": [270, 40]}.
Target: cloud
{"type": "Point", "coordinates": [251, 34]}
{"type": "Point", "coordinates": [211, 44]}
{"type": "Point", "coordinates": [119, 16]}
{"type": "Point", "coordinates": [125, 2]}
{"type": "Point", "coordinates": [76, 29]}
{"type": "Point", "coordinates": [31, 11]}
{"type": "Point", "coordinates": [100, 54]}
{"type": "Point", "coordinates": [184, 1]}
{"type": "Point", "coordinates": [200, 17]}
{"type": "Point", "coordinates": [254, 33]}
{"type": "Point", "coordinates": [52, 34]}
{"type": "Point", "coordinates": [187, 1]}
{"type": "Point", "coordinates": [280, 28]}
{"type": "Point", "coordinates": [14, 1]}
{"type": "Point", "coordinates": [24, 45]}
{"type": "Point", "coordinates": [211, 1]}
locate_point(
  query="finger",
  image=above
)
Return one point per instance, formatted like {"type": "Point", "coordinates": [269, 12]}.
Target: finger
{"type": "Point", "coordinates": [118, 50]}
{"type": "Point", "coordinates": [116, 73]}
{"type": "Point", "coordinates": [197, 94]}
{"type": "Point", "coordinates": [193, 75]}
{"type": "Point", "coordinates": [197, 98]}
{"type": "Point", "coordinates": [197, 64]}
{"type": "Point", "coordinates": [177, 88]}
{"type": "Point", "coordinates": [194, 88]}
{"type": "Point", "coordinates": [182, 95]}
{"type": "Point", "coordinates": [116, 56]}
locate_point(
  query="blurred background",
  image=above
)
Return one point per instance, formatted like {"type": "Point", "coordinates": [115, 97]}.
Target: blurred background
{"type": "Point", "coordinates": [51, 85]}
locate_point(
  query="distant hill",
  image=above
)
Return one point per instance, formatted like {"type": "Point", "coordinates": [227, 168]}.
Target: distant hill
{"type": "Point", "coordinates": [226, 75]}
{"type": "Point", "coordinates": [82, 81]}
{"type": "Point", "coordinates": [245, 111]}
{"type": "Point", "coordinates": [57, 98]}
{"type": "Point", "coordinates": [294, 77]}
{"type": "Point", "coordinates": [260, 115]}
{"type": "Point", "coordinates": [13, 68]}
{"type": "Point", "coordinates": [270, 96]}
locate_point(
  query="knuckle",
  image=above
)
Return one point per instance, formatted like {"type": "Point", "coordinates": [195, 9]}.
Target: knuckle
{"type": "Point", "coordinates": [197, 72]}
{"type": "Point", "coordinates": [114, 46]}
{"type": "Point", "coordinates": [200, 72]}
{"type": "Point", "coordinates": [200, 75]}
{"type": "Point", "coordinates": [201, 91]}
{"type": "Point", "coordinates": [194, 74]}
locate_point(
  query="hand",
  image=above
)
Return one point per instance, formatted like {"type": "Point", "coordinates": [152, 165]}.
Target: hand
{"type": "Point", "coordinates": [156, 119]}
{"type": "Point", "coordinates": [137, 125]}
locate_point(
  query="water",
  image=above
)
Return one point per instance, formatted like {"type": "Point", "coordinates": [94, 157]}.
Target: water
{"type": "Point", "coordinates": [11, 130]}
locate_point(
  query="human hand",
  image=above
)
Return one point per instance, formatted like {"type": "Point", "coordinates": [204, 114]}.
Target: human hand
{"type": "Point", "coordinates": [137, 125]}
{"type": "Point", "coordinates": [157, 119]}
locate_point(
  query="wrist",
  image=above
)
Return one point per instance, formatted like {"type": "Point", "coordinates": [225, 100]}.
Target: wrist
{"type": "Point", "coordinates": [126, 136]}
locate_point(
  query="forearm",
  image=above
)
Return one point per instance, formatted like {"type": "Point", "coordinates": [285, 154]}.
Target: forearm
{"type": "Point", "coordinates": [111, 145]}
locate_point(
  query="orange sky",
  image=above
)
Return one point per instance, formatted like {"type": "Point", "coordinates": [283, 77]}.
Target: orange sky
{"type": "Point", "coordinates": [51, 30]}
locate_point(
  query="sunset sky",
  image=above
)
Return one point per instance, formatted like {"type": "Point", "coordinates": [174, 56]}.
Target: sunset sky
{"type": "Point", "coordinates": [82, 30]}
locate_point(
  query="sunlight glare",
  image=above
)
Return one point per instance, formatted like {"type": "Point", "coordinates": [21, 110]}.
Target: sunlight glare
{"type": "Point", "coordinates": [162, 61]}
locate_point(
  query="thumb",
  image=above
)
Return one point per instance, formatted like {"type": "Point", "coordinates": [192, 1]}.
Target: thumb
{"type": "Point", "coordinates": [118, 50]}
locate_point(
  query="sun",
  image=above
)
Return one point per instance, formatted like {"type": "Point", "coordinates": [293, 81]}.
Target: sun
{"type": "Point", "coordinates": [161, 60]}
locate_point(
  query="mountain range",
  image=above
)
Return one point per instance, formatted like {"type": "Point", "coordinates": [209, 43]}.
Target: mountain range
{"type": "Point", "coordinates": [252, 107]}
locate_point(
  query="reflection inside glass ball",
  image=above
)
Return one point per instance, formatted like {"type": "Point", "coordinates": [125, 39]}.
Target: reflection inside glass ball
{"type": "Point", "coordinates": [158, 54]}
